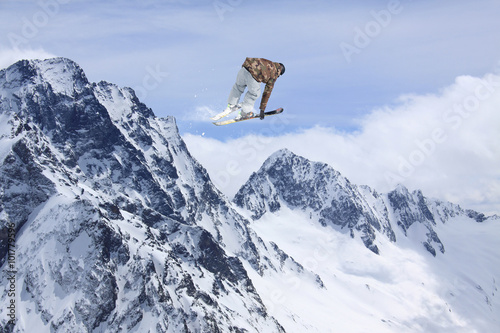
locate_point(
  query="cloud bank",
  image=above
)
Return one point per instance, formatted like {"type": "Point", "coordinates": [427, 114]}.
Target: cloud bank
{"type": "Point", "coordinates": [446, 144]}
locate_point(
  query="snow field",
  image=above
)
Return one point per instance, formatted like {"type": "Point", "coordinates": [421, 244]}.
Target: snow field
{"type": "Point", "coordinates": [404, 289]}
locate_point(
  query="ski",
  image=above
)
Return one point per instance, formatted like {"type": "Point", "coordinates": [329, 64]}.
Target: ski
{"type": "Point", "coordinates": [255, 116]}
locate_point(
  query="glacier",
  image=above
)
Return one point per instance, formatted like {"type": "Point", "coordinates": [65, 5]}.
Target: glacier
{"type": "Point", "coordinates": [119, 229]}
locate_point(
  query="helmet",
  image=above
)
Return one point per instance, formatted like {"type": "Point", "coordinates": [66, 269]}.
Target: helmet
{"type": "Point", "coordinates": [282, 68]}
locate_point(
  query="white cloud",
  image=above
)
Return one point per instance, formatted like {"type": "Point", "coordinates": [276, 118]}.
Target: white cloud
{"type": "Point", "coordinates": [445, 144]}
{"type": "Point", "coordinates": [10, 56]}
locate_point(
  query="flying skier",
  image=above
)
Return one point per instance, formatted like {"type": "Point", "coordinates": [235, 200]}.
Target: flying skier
{"type": "Point", "coordinates": [253, 72]}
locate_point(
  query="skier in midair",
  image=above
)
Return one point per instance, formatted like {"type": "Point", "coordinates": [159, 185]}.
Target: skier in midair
{"type": "Point", "coordinates": [253, 72]}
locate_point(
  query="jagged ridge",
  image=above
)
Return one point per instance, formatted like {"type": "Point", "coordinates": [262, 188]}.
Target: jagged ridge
{"type": "Point", "coordinates": [322, 192]}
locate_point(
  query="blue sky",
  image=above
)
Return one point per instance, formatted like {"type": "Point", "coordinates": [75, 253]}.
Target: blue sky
{"type": "Point", "coordinates": [348, 65]}
{"type": "Point", "coordinates": [196, 48]}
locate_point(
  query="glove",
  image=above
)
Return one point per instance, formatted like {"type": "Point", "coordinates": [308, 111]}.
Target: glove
{"type": "Point", "coordinates": [261, 114]}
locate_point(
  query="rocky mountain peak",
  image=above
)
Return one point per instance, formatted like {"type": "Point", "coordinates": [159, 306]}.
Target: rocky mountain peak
{"type": "Point", "coordinates": [315, 188]}
{"type": "Point", "coordinates": [286, 179]}
{"type": "Point", "coordinates": [63, 75]}
{"type": "Point", "coordinates": [138, 236]}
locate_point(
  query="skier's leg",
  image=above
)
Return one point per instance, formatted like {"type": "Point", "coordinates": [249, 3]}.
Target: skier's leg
{"type": "Point", "coordinates": [238, 88]}
{"type": "Point", "coordinates": [252, 94]}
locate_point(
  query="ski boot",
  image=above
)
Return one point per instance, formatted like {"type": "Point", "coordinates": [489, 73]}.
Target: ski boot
{"type": "Point", "coordinates": [243, 115]}
{"type": "Point", "coordinates": [230, 108]}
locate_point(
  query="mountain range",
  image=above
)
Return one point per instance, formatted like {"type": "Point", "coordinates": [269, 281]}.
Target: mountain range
{"type": "Point", "coordinates": [118, 228]}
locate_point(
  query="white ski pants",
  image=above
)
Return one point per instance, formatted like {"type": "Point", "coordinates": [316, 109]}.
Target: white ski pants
{"type": "Point", "coordinates": [244, 80]}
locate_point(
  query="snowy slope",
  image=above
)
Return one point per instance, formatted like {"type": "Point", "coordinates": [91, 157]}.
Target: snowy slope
{"type": "Point", "coordinates": [404, 289]}
{"type": "Point", "coordinates": [311, 212]}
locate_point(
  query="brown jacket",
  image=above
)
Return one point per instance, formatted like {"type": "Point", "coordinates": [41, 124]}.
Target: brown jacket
{"type": "Point", "coordinates": [265, 71]}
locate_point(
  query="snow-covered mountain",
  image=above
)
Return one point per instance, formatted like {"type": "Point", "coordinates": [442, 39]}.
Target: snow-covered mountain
{"type": "Point", "coordinates": [433, 266]}
{"type": "Point", "coordinates": [119, 229]}
{"type": "Point", "coordinates": [326, 196]}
